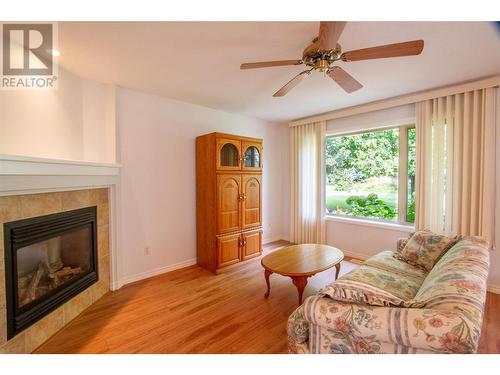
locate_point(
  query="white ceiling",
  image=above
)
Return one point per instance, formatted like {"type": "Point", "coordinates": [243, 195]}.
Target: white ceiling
{"type": "Point", "coordinates": [198, 62]}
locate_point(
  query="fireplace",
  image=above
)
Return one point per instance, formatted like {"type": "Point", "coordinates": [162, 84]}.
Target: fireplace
{"type": "Point", "coordinates": [48, 260]}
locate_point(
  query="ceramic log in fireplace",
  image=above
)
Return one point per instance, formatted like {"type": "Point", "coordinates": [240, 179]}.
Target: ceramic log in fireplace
{"type": "Point", "coordinates": [48, 260]}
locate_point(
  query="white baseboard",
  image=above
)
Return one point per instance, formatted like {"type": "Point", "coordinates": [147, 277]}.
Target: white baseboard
{"type": "Point", "coordinates": [494, 288]}
{"type": "Point", "coordinates": [275, 237]}
{"type": "Point", "coordinates": [354, 254]}
{"type": "Point", "coordinates": [157, 271]}
{"type": "Point", "coordinates": [285, 237]}
{"type": "Point", "coordinates": [267, 240]}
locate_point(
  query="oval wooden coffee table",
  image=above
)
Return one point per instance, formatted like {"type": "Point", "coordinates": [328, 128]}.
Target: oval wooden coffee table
{"type": "Point", "coordinates": [300, 262]}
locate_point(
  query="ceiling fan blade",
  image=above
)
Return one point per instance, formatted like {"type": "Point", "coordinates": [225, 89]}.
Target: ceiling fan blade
{"type": "Point", "coordinates": [329, 34]}
{"type": "Point", "coordinates": [411, 48]}
{"type": "Point", "coordinates": [267, 64]}
{"type": "Point", "coordinates": [292, 83]}
{"type": "Point", "coordinates": [344, 79]}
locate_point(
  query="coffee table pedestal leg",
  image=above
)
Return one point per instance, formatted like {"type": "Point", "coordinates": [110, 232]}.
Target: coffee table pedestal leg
{"type": "Point", "coordinates": [266, 275]}
{"type": "Point", "coordinates": [300, 282]}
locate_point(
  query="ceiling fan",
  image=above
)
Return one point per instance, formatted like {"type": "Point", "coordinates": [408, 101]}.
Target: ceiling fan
{"type": "Point", "coordinates": [324, 51]}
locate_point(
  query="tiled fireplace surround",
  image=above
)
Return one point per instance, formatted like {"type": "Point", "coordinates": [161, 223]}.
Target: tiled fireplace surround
{"type": "Point", "coordinates": [17, 207]}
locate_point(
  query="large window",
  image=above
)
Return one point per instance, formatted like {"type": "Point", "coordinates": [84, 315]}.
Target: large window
{"type": "Point", "coordinates": [372, 174]}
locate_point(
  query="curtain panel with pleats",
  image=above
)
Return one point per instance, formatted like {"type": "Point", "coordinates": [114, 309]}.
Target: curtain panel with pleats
{"type": "Point", "coordinates": [455, 168]}
{"type": "Point", "coordinates": [307, 224]}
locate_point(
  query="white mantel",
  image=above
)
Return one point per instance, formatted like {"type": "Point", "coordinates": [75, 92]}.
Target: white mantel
{"type": "Point", "coordinates": [15, 165]}
{"type": "Point", "coordinates": [22, 174]}
{"type": "Point", "coordinates": [31, 175]}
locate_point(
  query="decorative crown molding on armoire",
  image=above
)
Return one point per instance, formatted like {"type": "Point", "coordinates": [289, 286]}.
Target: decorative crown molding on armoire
{"type": "Point", "coordinates": [228, 200]}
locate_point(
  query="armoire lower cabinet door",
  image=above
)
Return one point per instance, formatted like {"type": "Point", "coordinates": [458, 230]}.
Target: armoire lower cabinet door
{"type": "Point", "coordinates": [252, 244]}
{"type": "Point", "coordinates": [228, 250]}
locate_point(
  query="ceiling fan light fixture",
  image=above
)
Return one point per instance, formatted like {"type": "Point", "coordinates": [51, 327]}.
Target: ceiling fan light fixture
{"type": "Point", "coordinates": [322, 65]}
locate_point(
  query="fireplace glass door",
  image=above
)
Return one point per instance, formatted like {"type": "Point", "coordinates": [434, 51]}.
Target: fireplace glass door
{"type": "Point", "coordinates": [47, 265]}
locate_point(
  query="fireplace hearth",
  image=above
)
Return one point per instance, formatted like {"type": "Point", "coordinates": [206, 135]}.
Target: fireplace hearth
{"type": "Point", "coordinates": [48, 260]}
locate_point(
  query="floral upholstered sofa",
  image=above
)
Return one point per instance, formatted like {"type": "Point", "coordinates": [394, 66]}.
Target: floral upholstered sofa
{"type": "Point", "coordinates": [392, 305]}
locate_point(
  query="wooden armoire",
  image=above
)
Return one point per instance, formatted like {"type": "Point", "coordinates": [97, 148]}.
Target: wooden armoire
{"type": "Point", "coordinates": [228, 200]}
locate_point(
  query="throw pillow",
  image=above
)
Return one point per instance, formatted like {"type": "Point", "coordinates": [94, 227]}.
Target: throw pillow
{"type": "Point", "coordinates": [401, 243]}
{"type": "Point", "coordinates": [425, 248]}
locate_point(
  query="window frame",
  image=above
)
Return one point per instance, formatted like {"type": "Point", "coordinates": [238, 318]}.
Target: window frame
{"type": "Point", "coordinates": [402, 176]}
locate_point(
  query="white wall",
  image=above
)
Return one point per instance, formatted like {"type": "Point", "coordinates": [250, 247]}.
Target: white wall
{"type": "Point", "coordinates": [362, 240]}
{"type": "Point", "coordinates": [98, 122]}
{"type": "Point", "coordinates": [73, 122]}
{"type": "Point", "coordinates": [158, 202]}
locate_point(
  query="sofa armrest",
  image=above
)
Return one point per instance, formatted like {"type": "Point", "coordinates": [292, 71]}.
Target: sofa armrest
{"type": "Point", "coordinates": [298, 326]}
{"type": "Point", "coordinates": [362, 328]}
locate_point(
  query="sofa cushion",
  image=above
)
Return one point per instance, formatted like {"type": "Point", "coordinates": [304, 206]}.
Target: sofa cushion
{"type": "Point", "coordinates": [425, 248]}
{"type": "Point", "coordinates": [458, 281]}
{"type": "Point", "coordinates": [385, 260]}
{"type": "Point", "coordinates": [381, 281]}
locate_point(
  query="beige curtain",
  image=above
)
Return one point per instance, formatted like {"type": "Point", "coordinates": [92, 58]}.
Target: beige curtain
{"type": "Point", "coordinates": [307, 183]}
{"type": "Point", "coordinates": [455, 174]}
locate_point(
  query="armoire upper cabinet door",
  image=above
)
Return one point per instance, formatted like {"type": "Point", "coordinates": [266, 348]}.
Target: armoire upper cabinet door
{"type": "Point", "coordinates": [228, 154]}
{"type": "Point", "coordinates": [228, 202]}
{"type": "Point", "coordinates": [251, 200]}
{"type": "Point", "coordinates": [252, 155]}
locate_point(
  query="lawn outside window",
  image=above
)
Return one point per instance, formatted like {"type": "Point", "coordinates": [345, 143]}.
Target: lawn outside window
{"type": "Point", "coordinates": [371, 175]}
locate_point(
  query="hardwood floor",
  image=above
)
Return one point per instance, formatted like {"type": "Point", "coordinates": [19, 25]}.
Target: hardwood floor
{"type": "Point", "coordinates": [490, 332]}
{"type": "Point", "coordinates": [193, 311]}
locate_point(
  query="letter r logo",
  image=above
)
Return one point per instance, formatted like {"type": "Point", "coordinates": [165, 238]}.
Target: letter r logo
{"type": "Point", "coordinates": [26, 49]}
